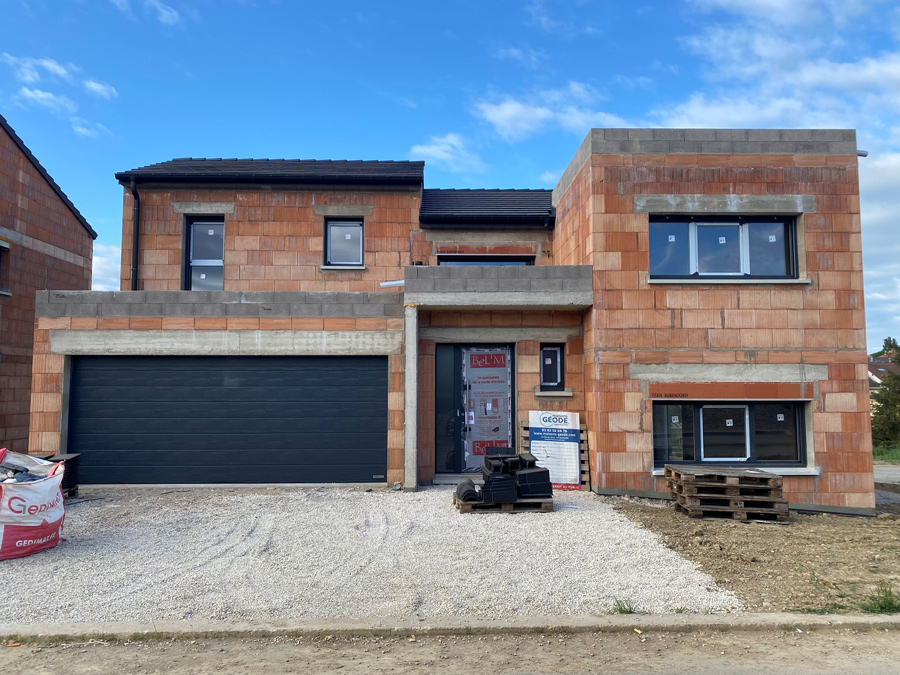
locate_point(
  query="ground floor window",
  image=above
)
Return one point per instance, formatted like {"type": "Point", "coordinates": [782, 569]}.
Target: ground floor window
{"type": "Point", "coordinates": [728, 432]}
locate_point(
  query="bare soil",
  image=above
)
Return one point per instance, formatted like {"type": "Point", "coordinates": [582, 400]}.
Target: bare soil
{"type": "Point", "coordinates": [700, 653]}
{"type": "Point", "coordinates": [817, 563]}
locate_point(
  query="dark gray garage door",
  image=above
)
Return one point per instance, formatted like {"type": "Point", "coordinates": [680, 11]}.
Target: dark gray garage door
{"type": "Point", "coordinates": [210, 419]}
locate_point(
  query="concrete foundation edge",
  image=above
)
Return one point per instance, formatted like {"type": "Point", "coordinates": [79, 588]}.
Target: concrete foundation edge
{"type": "Point", "coordinates": [162, 630]}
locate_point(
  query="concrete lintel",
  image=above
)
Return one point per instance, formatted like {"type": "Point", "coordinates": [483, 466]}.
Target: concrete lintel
{"type": "Point", "coordinates": [726, 204]}
{"type": "Point", "coordinates": [502, 299]}
{"type": "Point", "coordinates": [224, 342]}
{"type": "Point", "coordinates": [203, 208]}
{"type": "Point", "coordinates": [728, 372]}
{"type": "Point", "coordinates": [343, 210]}
{"type": "Point", "coordinates": [410, 399]}
{"type": "Point", "coordinates": [499, 333]}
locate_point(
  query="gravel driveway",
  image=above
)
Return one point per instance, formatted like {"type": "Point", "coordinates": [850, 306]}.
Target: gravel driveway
{"type": "Point", "coordinates": [246, 553]}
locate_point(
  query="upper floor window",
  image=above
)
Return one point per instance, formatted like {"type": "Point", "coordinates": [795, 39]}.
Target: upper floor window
{"type": "Point", "coordinates": [747, 246]}
{"type": "Point", "coordinates": [344, 242]}
{"type": "Point", "coordinates": [206, 259]}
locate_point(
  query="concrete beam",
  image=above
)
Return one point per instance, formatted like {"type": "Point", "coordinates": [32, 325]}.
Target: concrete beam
{"type": "Point", "coordinates": [499, 334]}
{"type": "Point", "coordinates": [203, 208]}
{"type": "Point", "coordinates": [411, 399]}
{"type": "Point", "coordinates": [781, 205]}
{"type": "Point", "coordinates": [727, 372]}
{"type": "Point", "coordinates": [499, 300]}
{"type": "Point", "coordinates": [224, 342]}
{"type": "Point", "coordinates": [343, 210]}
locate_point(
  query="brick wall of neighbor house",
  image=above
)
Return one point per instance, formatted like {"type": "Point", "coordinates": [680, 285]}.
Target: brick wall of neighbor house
{"type": "Point", "coordinates": [273, 239]}
{"type": "Point", "coordinates": [48, 248]}
{"type": "Point", "coordinates": [602, 220]}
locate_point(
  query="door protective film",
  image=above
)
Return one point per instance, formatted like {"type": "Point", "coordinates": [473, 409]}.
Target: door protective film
{"type": "Point", "coordinates": [487, 380]}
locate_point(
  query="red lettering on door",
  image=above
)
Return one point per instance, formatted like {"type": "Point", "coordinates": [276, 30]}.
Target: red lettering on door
{"type": "Point", "coordinates": [487, 360]}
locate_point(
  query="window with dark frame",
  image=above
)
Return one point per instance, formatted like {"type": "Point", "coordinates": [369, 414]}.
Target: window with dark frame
{"type": "Point", "coordinates": [752, 432]}
{"type": "Point", "coordinates": [344, 242]}
{"type": "Point", "coordinates": [206, 255]}
{"type": "Point", "coordinates": [553, 368]}
{"type": "Point", "coordinates": [761, 247]}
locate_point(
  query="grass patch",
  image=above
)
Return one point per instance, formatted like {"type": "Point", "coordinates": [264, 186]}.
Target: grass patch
{"type": "Point", "coordinates": [623, 607]}
{"type": "Point", "coordinates": [883, 601]}
{"type": "Point", "coordinates": [885, 453]}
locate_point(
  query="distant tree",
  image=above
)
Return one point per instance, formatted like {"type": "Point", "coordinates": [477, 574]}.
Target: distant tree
{"type": "Point", "coordinates": [886, 411]}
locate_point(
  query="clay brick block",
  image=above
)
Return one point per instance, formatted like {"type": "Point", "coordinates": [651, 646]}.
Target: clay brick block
{"type": "Point", "coordinates": [145, 323]}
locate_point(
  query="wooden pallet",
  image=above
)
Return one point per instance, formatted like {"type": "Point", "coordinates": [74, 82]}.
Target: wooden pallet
{"type": "Point", "coordinates": [537, 505]}
{"type": "Point", "coordinates": [737, 503]}
{"type": "Point", "coordinates": [722, 476]}
{"type": "Point", "coordinates": [585, 457]}
{"type": "Point", "coordinates": [753, 515]}
{"type": "Point", "coordinates": [717, 489]}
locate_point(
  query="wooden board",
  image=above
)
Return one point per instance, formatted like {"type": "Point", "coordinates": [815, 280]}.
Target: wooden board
{"type": "Point", "coordinates": [717, 489]}
{"type": "Point", "coordinates": [743, 515]}
{"type": "Point", "coordinates": [717, 501]}
{"type": "Point", "coordinates": [722, 476]}
{"type": "Point", "coordinates": [521, 505]}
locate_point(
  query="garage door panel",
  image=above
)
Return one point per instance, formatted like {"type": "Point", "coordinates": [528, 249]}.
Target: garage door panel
{"type": "Point", "coordinates": [229, 419]}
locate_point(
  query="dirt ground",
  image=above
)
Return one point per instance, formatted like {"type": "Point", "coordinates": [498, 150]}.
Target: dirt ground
{"type": "Point", "coordinates": [701, 653]}
{"type": "Point", "coordinates": [818, 563]}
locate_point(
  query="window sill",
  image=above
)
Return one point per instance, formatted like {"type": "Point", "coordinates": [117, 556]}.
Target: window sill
{"type": "Point", "coordinates": [329, 268]}
{"type": "Point", "coordinates": [6, 292]}
{"type": "Point", "coordinates": [736, 280]}
{"type": "Point", "coordinates": [565, 393]}
{"type": "Point", "coordinates": [787, 471]}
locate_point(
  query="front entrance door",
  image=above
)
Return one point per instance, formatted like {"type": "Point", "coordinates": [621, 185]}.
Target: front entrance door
{"type": "Point", "coordinates": [473, 405]}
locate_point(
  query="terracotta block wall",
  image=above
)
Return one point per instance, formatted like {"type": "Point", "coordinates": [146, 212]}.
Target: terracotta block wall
{"type": "Point", "coordinates": [46, 399]}
{"type": "Point", "coordinates": [635, 322]}
{"type": "Point", "coordinates": [526, 362]}
{"type": "Point", "coordinates": [273, 240]}
{"type": "Point", "coordinates": [49, 249]}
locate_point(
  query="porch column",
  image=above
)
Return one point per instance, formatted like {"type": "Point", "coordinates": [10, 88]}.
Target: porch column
{"type": "Point", "coordinates": [410, 397]}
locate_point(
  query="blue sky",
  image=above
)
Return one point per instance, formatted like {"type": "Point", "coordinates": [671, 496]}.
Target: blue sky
{"type": "Point", "coordinates": [491, 93]}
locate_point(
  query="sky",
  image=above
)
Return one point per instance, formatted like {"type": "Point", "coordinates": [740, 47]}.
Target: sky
{"type": "Point", "coordinates": [490, 93]}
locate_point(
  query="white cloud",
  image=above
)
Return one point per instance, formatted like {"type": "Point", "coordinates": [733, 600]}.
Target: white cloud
{"type": "Point", "coordinates": [83, 127]}
{"type": "Point", "coordinates": [527, 57]}
{"type": "Point", "coordinates": [571, 108]}
{"type": "Point", "coordinates": [124, 5]}
{"type": "Point", "coordinates": [100, 89]}
{"type": "Point", "coordinates": [450, 152]}
{"type": "Point", "coordinates": [107, 265]}
{"type": "Point", "coordinates": [28, 69]}
{"type": "Point", "coordinates": [166, 15]}
{"type": "Point", "coordinates": [550, 177]}
{"type": "Point", "coordinates": [46, 99]}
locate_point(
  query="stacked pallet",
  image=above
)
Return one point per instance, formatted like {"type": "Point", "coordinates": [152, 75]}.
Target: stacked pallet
{"type": "Point", "coordinates": [738, 494]}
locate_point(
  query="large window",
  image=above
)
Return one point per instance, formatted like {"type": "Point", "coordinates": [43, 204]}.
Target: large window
{"type": "Point", "coordinates": [738, 433]}
{"type": "Point", "coordinates": [696, 246]}
{"type": "Point", "coordinates": [206, 260]}
{"type": "Point", "coordinates": [344, 242]}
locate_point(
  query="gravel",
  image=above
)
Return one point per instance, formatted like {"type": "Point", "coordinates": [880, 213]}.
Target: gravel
{"type": "Point", "coordinates": [278, 553]}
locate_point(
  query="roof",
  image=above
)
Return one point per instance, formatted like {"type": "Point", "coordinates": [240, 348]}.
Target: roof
{"type": "Point", "coordinates": [41, 170]}
{"type": "Point", "coordinates": [520, 208]}
{"type": "Point", "coordinates": [278, 171]}
{"type": "Point", "coordinates": [878, 370]}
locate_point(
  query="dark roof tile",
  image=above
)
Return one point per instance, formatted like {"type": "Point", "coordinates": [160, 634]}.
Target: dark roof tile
{"type": "Point", "coordinates": [281, 171]}
{"type": "Point", "coordinates": [488, 207]}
